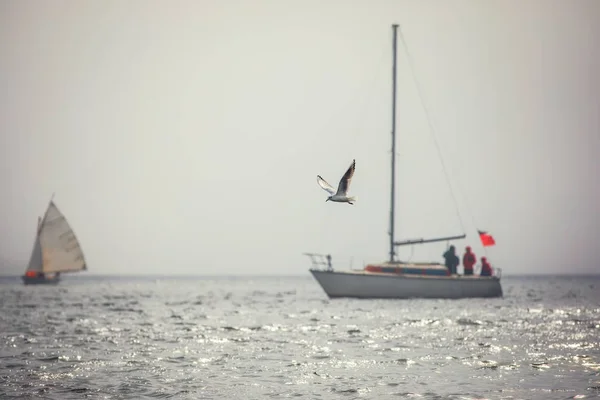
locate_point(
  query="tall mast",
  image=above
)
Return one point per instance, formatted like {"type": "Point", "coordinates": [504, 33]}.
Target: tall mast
{"type": "Point", "coordinates": [393, 186]}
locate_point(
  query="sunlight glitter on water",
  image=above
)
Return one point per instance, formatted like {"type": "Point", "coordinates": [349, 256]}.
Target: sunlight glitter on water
{"type": "Point", "coordinates": [176, 338]}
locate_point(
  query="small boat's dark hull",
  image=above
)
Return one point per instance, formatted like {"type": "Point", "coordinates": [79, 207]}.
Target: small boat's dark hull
{"type": "Point", "coordinates": [40, 280]}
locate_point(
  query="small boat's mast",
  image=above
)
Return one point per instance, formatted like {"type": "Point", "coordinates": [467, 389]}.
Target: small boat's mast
{"type": "Point", "coordinates": [40, 222]}
{"type": "Point", "coordinates": [393, 186]}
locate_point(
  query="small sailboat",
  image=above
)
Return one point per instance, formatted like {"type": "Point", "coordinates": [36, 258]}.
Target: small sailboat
{"type": "Point", "coordinates": [55, 249]}
{"type": "Point", "coordinates": [394, 279]}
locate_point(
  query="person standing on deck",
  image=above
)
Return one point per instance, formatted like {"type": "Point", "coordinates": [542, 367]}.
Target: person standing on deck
{"type": "Point", "coordinates": [469, 261]}
{"type": "Point", "coordinates": [486, 268]}
{"type": "Point", "coordinates": [451, 260]}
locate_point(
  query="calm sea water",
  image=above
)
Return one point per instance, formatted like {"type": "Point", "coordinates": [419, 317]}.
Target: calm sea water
{"type": "Point", "coordinates": [255, 338]}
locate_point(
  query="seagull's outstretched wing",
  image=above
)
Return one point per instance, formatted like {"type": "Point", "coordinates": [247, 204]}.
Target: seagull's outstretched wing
{"type": "Point", "coordinates": [345, 181]}
{"type": "Point", "coordinates": [326, 186]}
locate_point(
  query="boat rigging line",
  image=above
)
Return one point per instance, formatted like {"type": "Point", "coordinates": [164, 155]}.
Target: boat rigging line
{"type": "Point", "coordinates": [431, 126]}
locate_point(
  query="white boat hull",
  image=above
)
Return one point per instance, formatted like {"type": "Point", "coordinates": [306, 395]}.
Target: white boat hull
{"type": "Point", "coordinates": [368, 285]}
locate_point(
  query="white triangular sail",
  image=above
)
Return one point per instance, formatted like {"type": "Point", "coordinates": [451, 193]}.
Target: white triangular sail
{"type": "Point", "coordinates": [35, 261]}
{"type": "Point", "coordinates": [56, 248]}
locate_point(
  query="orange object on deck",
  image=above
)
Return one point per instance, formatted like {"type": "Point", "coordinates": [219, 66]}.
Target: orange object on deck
{"type": "Point", "coordinates": [31, 274]}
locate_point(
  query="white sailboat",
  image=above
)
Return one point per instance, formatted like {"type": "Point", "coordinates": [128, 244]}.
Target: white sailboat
{"type": "Point", "coordinates": [55, 249]}
{"type": "Point", "coordinates": [398, 279]}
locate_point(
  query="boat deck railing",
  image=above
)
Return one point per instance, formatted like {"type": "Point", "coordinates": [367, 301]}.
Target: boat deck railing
{"type": "Point", "coordinates": [320, 260]}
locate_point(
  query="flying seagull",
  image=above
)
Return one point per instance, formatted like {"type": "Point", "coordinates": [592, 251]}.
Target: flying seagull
{"type": "Point", "coordinates": [340, 196]}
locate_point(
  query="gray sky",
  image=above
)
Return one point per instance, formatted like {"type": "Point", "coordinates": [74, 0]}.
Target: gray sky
{"type": "Point", "coordinates": [186, 136]}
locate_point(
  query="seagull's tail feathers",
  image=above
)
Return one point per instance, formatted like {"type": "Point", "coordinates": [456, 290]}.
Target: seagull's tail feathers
{"type": "Point", "coordinates": [353, 198]}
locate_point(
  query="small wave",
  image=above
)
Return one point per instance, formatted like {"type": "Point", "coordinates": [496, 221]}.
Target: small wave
{"type": "Point", "coordinates": [467, 321]}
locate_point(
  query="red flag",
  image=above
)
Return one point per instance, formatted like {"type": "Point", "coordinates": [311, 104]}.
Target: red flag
{"type": "Point", "coordinates": [486, 238]}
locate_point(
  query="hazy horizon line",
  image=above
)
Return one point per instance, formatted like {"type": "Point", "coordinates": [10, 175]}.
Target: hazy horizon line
{"type": "Point", "coordinates": [176, 275]}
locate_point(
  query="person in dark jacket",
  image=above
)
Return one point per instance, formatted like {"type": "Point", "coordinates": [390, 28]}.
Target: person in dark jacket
{"type": "Point", "coordinates": [469, 261]}
{"type": "Point", "coordinates": [451, 260]}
